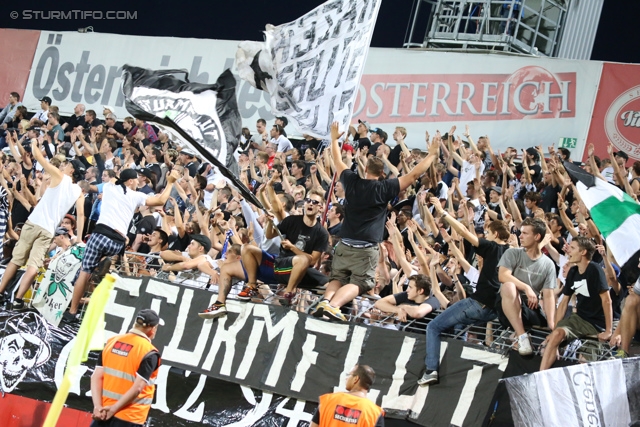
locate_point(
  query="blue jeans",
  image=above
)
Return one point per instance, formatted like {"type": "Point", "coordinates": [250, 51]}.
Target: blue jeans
{"type": "Point", "coordinates": [465, 312]}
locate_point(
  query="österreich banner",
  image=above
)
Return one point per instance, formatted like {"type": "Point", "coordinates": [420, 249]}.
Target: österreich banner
{"type": "Point", "coordinates": [517, 101]}
{"type": "Point", "coordinates": [267, 348]}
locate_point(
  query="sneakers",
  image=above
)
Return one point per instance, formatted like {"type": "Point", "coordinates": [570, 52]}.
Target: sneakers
{"type": "Point", "coordinates": [216, 310]}
{"type": "Point", "coordinates": [286, 298]}
{"type": "Point", "coordinates": [524, 345]}
{"type": "Point", "coordinates": [247, 293]}
{"type": "Point", "coordinates": [325, 309]}
{"type": "Point", "coordinates": [620, 354]}
{"type": "Point", "coordinates": [67, 317]}
{"type": "Point", "coordinates": [319, 310]}
{"type": "Point", "coordinates": [428, 378]}
{"type": "Point", "coordinates": [18, 304]}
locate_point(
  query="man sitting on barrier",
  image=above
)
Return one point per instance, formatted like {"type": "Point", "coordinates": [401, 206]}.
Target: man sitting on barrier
{"type": "Point", "coordinates": [415, 303]}
{"type": "Point", "coordinates": [479, 307]}
{"type": "Point", "coordinates": [292, 267]}
{"type": "Point", "coordinates": [197, 254]}
{"type": "Point", "coordinates": [356, 256]}
{"type": "Point", "coordinates": [525, 273]}
{"type": "Point", "coordinates": [628, 325]}
{"type": "Point", "coordinates": [594, 315]}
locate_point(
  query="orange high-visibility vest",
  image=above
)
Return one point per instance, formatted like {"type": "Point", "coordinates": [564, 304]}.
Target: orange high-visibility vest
{"type": "Point", "coordinates": [347, 410]}
{"type": "Point", "coordinates": [121, 359]}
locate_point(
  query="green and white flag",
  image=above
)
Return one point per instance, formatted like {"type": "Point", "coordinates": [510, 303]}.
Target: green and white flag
{"type": "Point", "coordinates": [616, 215]}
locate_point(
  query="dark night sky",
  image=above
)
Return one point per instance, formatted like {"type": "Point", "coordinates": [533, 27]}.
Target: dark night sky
{"type": "Point", "coordinates": [244, 20]}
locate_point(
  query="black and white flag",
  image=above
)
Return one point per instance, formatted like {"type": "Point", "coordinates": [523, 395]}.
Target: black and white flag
{"type": "Point", "coordinates": [202, 117]}
{"type": "Point", "coordinates": [208, 113]}
{"type": "Point", "coordinates": [312, 66]}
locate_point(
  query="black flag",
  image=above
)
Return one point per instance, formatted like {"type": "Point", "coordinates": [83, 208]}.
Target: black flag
{"type": "Point", "coordinates": [203, 117]}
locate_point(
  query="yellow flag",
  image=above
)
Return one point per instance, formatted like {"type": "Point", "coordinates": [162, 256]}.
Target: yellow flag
{"type": "Point", "coordinates": [92, 322]}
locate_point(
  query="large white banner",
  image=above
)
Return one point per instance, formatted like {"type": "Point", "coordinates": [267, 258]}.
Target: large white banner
{"type": "Point", "coordinates": [312, 66]}
{"type": "Point", "coordinates": [517, 101]}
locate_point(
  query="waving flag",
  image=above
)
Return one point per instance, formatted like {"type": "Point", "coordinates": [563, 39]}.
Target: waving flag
{"type": "Point", "coordinates": [616, 215]}
{"type": "Point", "coordinates": [312, 66]}
{"type": "Point", "coordinates": [203, 117]}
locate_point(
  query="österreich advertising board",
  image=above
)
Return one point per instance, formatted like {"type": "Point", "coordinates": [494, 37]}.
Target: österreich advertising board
{"type": "Point", "coordinates": [517, 101]}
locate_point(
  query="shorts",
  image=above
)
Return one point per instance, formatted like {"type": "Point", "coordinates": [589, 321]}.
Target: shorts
{"type": "Point", "coordinates": [32, 246]}
{"type": "Point", "coordinates": [576, 327]}
{"type": "Point", "coordinates": [356, 266]}
{"type": "Point", "coordinates": [99, 246]}
{"type": "Point", "coordinates": [265, 269]}
{"type": "Point", "coordinates": [529, 317]}
{"type": "Point", "coordinates": [312, 278]}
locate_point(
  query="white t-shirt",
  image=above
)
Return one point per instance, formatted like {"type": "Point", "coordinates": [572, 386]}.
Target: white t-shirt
{"type": "Point", "coordinates": [54, 204]}
{"type": "Point", "coordinates": [118, 208]}
{"type": "Point", "coordinates": [284, 144]}
{"type": "Point", "coordinates": [468, 173]}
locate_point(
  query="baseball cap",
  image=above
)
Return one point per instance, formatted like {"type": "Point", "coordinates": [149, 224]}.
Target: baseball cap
{"type": "Point", "coordinates": [126, 175]}
{"type": "Point", "coordinates": [108, 107]}
{"type": "Point", "coordinates": [46, 99]}
{"type": "Point", "coordinates": [148, 317]}
{"type": "Point", "coordinates": [376, 130]}
{"type": "Point", "coordinates": [366, 124]}
{"type": "Point", "coordinates": [496, 189]}
{"type": "Point", "coordinates": [146, 172]}
{"type": "Point", "coordinates": [347, 147]}
{"type": "Point", "coordinates": [188, 152]}
{"type": "Point", "coordinates": [78, 166]}
{"type": "Point", "coordinates": [61, 231]}
{"type": "Point", "coordinates": [284, 121]}
{"type": "Point", "coordinates": [203, 240]}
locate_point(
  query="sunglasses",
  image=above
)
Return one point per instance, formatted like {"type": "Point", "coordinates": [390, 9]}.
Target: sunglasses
{"type": "Point", "coordinates": [313, 202]}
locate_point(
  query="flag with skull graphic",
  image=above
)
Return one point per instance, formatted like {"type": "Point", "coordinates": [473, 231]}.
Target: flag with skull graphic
{"type": "Point", "coordinates": [24, 345]}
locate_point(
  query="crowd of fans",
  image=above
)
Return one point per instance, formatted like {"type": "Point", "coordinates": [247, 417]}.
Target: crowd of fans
{"type": "Point", "coordinates": [453, 231]}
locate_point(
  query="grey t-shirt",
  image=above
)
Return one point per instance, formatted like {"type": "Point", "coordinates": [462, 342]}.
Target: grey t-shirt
{"type": "Point", "coordinates": [539, 274]}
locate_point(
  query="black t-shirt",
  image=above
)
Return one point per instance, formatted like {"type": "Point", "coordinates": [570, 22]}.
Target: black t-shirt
{"type": "Point", "coordinates": [488, 284]}
{"type": "Point", "coordinates": [307, 239]}
{"type": "Point", "coordinates": [177, 243]}
{"type": "Point", "coordinates": [335, 230]}
{"type": "Point", "coordinates": [366, 206]}
{"type": "Point", "coordinates": [537, 176]}
{"type": "Point", "coordinates": [146, 226]}
{"type": "Point", "coordinates": [193, 168]}
{"type": "Point", "coordinates": [549, 198]}
{"type": "Point", "coordinates": [363, 142]}
{"type": "Point", "coordinates": [588, 286]}
{"type": "Point", "coordinates": [73, 122]}
{"type": "Point", "coordinates": [374, 148]}
{"type": "Point", "coordinates": [394, 155]}
{"type": "Point", "coordinates": [403, 298]}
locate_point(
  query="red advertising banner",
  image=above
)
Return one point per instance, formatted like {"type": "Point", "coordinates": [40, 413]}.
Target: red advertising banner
{"type": "Point", "coordinates": [18, 411]}
{"type": "Point", "coordinates": [616, 114]}
{"type": "Point", "coordinates": [531, 92]}
{"type": "Point", "coordinates": [17, 49]}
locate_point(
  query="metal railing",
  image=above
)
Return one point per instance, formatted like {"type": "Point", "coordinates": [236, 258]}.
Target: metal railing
{"type": "Point", "coordinates": [492, 336]}
{"type": "Point", "coordinates": [524, 26]}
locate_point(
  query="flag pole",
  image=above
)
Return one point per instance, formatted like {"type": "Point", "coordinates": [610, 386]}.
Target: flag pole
{"type": "Point", "coordinates": [326, 207]}
{"type": "Point", "coordinates": [93, 320]}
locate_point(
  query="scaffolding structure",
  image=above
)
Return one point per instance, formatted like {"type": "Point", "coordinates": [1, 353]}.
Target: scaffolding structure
{"type": "Point", "coordinates": [530, 27]}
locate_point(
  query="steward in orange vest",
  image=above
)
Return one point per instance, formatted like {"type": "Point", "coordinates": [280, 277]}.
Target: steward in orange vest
{"type": "Point", "coordinates": [351, 409]}
{"type": "Point", "coordinates": [123, 383]}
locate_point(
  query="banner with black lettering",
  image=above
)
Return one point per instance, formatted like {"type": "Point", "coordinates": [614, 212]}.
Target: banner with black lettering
{"type": "Point", "coordinates": [282, 353]}
{"type": "Point", "coordinates": [600, 394]}
{"type": "Point", "coordinates": [312, 66]}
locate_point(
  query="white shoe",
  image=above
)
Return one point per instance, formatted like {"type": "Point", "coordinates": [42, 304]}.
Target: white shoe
{"type": "Point", "coordinates": [524, 345]}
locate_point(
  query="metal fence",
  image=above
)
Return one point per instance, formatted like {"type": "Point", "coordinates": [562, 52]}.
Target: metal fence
{"type": "Point", "coordinates": [492, 336]}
